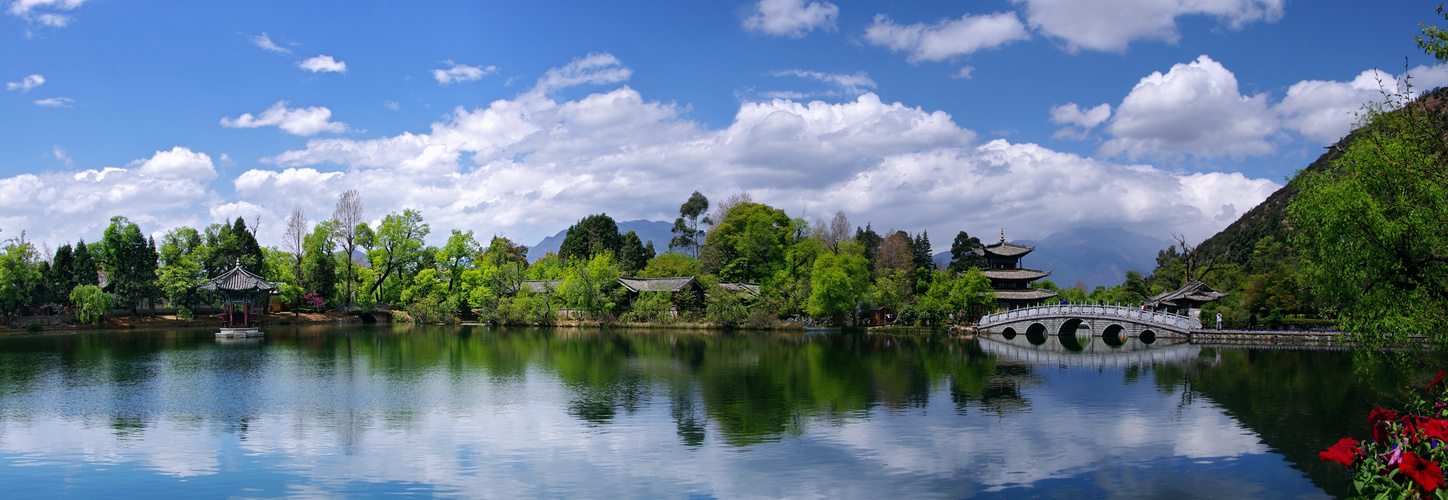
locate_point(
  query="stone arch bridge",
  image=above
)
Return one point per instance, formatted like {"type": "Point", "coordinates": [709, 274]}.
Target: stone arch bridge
{"type": "Point", "coordinates": [1103, 320]}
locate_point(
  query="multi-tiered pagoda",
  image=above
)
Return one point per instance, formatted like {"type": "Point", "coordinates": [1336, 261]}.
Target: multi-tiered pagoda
{"type": "Point", "coordinates": [1011, 282]}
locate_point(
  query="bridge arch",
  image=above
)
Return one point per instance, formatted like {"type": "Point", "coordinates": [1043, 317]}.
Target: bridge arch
{"type": "Point", "coordinates": [1009, 333]}
{"type": "Point", "coordinates": [1147, 336]}
{"type": "Point", "coordinates": [1114, 335]}
{"type": "Point", "coordinates": [1069, 327]}
{"type": "Point", "coordinates": [1036, 334]}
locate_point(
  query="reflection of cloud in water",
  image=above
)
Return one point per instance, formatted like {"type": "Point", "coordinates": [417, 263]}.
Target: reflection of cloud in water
{"type": "Point", "coordinates": [327, 427]}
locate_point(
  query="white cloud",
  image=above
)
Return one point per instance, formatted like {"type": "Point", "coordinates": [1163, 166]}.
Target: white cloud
{"type": "Point", "coordinates": [964, 73]}
{"type": "Point", "coordinates": [63, 206]}
{"type": "Point", "coordinates": [947, 38]}
{"type": "Point", "coordinates": [791, 18]}
{"type": "Point", "coordinates": [323, 64]}
{"type": "Point", "coordinates": [61, 155]}
{"type": "Point", "coordinates": [1325, 111]}
{"type": "Point", "coordinates": [265, 42]}
{"type": "Point", "coordinates": [25, 84]}
{"type": "Point", "coordinates": [850, 85]}
{"type": "Point", "coordinates": [531, 165]}
{"type": "Point", "coordinates": [55, 102]}
{"type": "Point", "coordinates": [392, 105]}
{"type": "Point", "coordinates": [595, 69]}
{"type": "Point", "coordinates": [45, 12]}
{"type": "Point", "coordinates": [1194, 108]}
{"type": "Point", "coordinates": [1073, 114]}
{"type": "Point", "coordinates": [295, 121]}
{"type": "Point", "coordinates": [1111, 25]}
{"type": "Point", "coordinates": [459, 73]}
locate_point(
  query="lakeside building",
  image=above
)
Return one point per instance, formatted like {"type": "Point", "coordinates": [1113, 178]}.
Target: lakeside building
{"type": "Point", "coordinates": [1010, 282]}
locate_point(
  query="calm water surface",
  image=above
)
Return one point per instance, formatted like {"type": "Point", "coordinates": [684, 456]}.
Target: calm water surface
{"type": "Point", "coordinates": [499, 412]}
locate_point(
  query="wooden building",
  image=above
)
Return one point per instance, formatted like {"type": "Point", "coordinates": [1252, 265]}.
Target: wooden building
{"type": "Point", "coordinates": [244, 295]}
{"type": "Point", "coordinates": [1010, 281]}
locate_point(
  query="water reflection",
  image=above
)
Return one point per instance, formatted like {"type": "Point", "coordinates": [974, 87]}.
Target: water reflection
{"type": "Point", "coordinates": [534, 412]}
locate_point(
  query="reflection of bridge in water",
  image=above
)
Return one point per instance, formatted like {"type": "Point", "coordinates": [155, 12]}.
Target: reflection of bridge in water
{"type": "Point", "coordinates": [1087, 351]}
{"type": "Point", "coordinates": [1103, 320]}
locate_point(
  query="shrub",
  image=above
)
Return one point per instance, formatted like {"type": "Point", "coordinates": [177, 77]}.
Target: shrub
{"type": "Point", "coordinates": [1405, 453]}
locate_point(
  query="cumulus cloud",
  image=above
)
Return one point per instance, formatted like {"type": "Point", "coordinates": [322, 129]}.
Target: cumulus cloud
{"type": "Point", "coordinates": [947, 38]}
{"type": "Point", "coordinates": [1110, 25]}
{"type": "Point", "coordinates": [791, 18]}
{"type": "Point", "coordinates": [323, 64]}
{"type": "Point", "coordinates": [46, 12]}
{"type": "Point", "coordinates": [531, 165]}
{"type": "Point", "coordinates": [964, 73]}
{"type": "Point", "coordinates": [25, 84]}
{"type": "Point", "coordinates": [1194, 108]}
{"type": "Point", "coordinates": [265, 42]}
{"type": "Point", "coordinates": [55, 102]}
{"type": "Point", "coordinates": [295, 121]}
{"type": "Point", "coordinates": [1325, 111]}
{"type": "Point", "coordinates": [459, 73]}
{"type": "Point", "coordinates": [159, 192]}
{"type": "Point", "coordinates": [61, 155]}
{"type": "Point", "coordinates": [1072, 114]}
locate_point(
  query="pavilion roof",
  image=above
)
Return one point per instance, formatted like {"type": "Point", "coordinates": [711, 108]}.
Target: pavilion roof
{"type": "Point", "coordinates": [1019, 274]}
{"type": "Point", "coordinates": [238, 279]}
{"type": "Point", "coordinates": [657, 284]}
{"type": "Point", "coordinates": [1193, 292]}
{"type": "Point", "coordinates": [1027, 294]}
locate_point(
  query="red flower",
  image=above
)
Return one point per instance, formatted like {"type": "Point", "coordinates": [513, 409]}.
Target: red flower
{"type": "Point", "coordinates": [1379, 420]}
{"type": "Point", "coordinates": [1436, 381]}
{"type": "Point", "coordinates": [1424, 472]}
{"type": "Point", "coordinates": [1418, 428]}
{"type": "Point", "coordinates": [1344, 452]}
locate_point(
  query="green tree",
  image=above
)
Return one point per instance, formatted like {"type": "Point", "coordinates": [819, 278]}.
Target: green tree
{"type": "Point", "coordinates": [748, 244]}
{"type": "Point", "coordinates": [130, 263]}
{"type": "Point", "coordinates": [840, 282]}
{"type": "Point", "coordinates": [231, 245]}
{"type": "Point", "coordinates": [319, 264]}
{"type": "Point", "coordinates": [457, 256]}
{"type": "Point", "coordinates": [502, 251]}
{"type": "Point", "coordinates": [591, 236]}
{"type": "Point", "coordinates": [963, 256]}
{"type": "Point", "coordinates": [61, 275]}
{"type": "Point", "coordinates": [592, 285]}
{"type": "Point", "coordinates": [670, 265]}
{"type": "Point", "coordinates": [19, 273]}
{"type": "Point", "coordinates": [870, 241]}
{"type": "Point", "coordinates": [1370, 228]}
{"type": "Point", "coordinates": [180, 270]}
{"type": "Point", "coordinates": [398, 250]}
{"type": "Point", "coordinates": [687, 225]}
{"type": "Point", "coordinates": [92, 303]}
{"type": "Point", "coordinates": [84, 267]}
{"type": "Point", "coordinates": [633, 254]}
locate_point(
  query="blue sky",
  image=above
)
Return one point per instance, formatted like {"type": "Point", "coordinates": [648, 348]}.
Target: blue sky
{"type": "Point", "coordinates": [520, 118]}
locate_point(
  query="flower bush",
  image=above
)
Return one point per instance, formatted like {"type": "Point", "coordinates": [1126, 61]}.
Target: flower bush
{"type": "Point", "coordinates": [1403, 458]}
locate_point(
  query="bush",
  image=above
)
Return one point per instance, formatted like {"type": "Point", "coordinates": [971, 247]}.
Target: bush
{"type": "Point", "coordinates": [184, 312]}
{"type": "Point", "coordinates": [651, 308]}
{"type": "Point", "coordinates": [1405, 453]}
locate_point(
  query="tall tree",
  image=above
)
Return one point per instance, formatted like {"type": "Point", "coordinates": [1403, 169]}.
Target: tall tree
{"type": "Point", "coordinates": [836, 231]}
{"type": "Point", "coordinates": [687, 225]}
{"type": "Point", "coordinates": [963, 253]}
{"type": "Point", "coordinates": [180, 270]}
{"type": "Point", "coordinates": [748, 243]}
{"type": "Point", "coordinates": [294, 240]}
{"type": "Point", "coordinates": [591, 236]}
{"type": "Point", "coordinates": [19, 274]}
{"type": "Point", "coordinates": [129, 262]}
{"type": "Point", "coordinates": [62, 274]}
{"type": "Point", "coordinates": [348, 214]}
{"type": "Point", "coordinates": [85, 268]}
{"type": "Point", "coordinates": [633, 254]}
{"type": "Point", "coordinates": [457, 256]}
{"type": "Point", "coordinates": [501, 251]}
{"type": "Point", "coordinates": [398, 248]}
{"type": "Point", "coordinates": [319, 269]}
{"type": "Point", "coordinates": [896, 253]}
{"type": "Point", "coordinates": [869, 241]}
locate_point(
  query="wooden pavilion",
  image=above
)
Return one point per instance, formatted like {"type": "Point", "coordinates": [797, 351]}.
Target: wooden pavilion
{"type": "Point", "coordinates": [243, 296]}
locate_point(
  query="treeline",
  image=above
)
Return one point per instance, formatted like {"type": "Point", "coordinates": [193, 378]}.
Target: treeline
{"type": "Point", "coordinates": [828, 271]}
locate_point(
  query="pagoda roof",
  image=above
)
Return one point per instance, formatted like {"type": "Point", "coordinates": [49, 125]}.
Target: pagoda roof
{"type": "Point", "coordinates": [1027, 294]}
{"type": "Point", "coordinates": [1019, 274]}
{"type": "Point", "coordinates": [1193, 292]}
{"type": "Point", "coordinates": [238, 279]}
{"type": "Point", "coordinates": [657, 284]}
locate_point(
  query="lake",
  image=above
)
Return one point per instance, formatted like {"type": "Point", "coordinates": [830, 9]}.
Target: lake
{"type": "Point", "coordinates": [478, 412]}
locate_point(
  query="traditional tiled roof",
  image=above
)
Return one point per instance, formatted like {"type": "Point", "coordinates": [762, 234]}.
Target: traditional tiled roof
{"type": "Point", "coordinates": [1027, 294]}
{"type": "Point", "coordinates": [539, 286]}
{"type": "Point", "coordinates": [751, 289]}
{"type": "Point", "coordinates": [1194, 292]}
{"type": "Point", "coordinates": [657, 284]}
{"type": "Point", "coordinates": [1021, 274]}
{"type": "Point", "coordinates": [239, 280]}
{"type": "Point", "coordinates": [1004, 249]}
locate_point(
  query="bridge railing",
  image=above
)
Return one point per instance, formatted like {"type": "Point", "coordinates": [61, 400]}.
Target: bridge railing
{"type": "Point", "coordinates": [1103, 311]}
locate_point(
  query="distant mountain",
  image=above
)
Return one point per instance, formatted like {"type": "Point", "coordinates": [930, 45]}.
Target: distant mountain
{"type": "Point", "coordinates": [1096, 257]}
{"type": "Point", "coordinates": [648, 230]}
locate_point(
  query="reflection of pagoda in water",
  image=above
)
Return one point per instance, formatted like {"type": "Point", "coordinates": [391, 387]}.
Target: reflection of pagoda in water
{"type": "Point", "coordinates": [1011, 282]}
